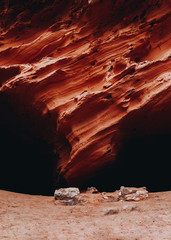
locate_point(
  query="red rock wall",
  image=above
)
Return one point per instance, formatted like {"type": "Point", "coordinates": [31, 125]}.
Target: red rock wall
{"type": "Point", "coordinates": [88, 75]}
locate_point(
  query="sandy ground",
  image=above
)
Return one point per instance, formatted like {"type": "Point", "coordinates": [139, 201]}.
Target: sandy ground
{"type": "Point", "coordinates": [39, 217]}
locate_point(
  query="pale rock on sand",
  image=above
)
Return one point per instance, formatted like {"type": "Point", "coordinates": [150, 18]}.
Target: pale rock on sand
{"type": "Point", "coordinates": [132, 194]}
{"type": "Point", "coordinates": [66, 193]}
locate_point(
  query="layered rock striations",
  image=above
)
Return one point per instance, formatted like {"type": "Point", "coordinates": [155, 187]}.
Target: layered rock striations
{"type": "Point", "coordinates": [88, 76]}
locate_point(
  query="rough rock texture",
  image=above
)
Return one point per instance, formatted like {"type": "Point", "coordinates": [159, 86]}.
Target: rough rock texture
{"type": "Point", "coordinates": [66, 193]}
{"type": "Point", "coordinates": [132, 194]}
{"type": "Point", "coordinates": [85, 77]}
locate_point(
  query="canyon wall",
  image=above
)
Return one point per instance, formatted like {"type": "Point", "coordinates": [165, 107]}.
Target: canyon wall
{"type": "Point", "coordinates": [85, 77]}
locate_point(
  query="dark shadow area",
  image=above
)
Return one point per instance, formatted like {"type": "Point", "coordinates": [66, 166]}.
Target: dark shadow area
{"type": "Point", "coordinates": [142, 161]}
{"type": "Point", "coordinates": [26, 161]}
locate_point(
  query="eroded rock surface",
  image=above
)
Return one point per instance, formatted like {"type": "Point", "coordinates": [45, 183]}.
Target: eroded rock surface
{"type": "Point", "coordinates": [85, 77]}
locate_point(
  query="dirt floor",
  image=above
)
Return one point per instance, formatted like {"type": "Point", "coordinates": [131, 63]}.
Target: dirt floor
{"type": "Point", "coordinates": [99, 217]}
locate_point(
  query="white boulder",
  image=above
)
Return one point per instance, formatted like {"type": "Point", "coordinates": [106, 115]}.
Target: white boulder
{"type": "Point", "coordinates": [66, 193]}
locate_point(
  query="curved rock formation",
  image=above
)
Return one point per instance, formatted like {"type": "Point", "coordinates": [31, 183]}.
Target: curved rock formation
{"type": "Point", "coordinates": [85, 76]}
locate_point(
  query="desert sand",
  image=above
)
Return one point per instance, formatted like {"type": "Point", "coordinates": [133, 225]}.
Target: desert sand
{"type": "Point", "coordinates": [39, 217]}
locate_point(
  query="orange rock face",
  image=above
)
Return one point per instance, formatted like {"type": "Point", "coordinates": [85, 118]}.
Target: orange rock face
{"type": "Point", "coordinates": [85, 78]}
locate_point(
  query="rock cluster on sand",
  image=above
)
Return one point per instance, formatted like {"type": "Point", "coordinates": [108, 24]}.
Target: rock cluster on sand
{"type": "Point", "coordinates": [132, 194]}
{"type": "Point", "coordinates": [72, 196]}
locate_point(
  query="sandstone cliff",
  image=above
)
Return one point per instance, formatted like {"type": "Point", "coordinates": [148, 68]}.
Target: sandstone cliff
{"type": "Point", "coordinates": [83, 79]}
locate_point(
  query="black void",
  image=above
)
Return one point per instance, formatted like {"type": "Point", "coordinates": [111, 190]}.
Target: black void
{"type": "Point", "coordinates": [142, 161]}
{"type": "Point", "coordinates": [27, 161]}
